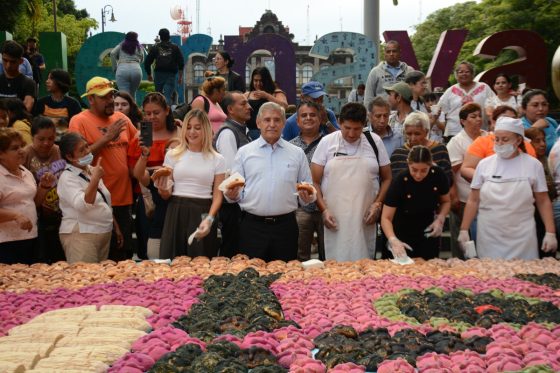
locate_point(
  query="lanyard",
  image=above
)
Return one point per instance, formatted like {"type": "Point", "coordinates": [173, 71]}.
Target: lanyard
{"type": "Point", "coordinates": [81, 174]}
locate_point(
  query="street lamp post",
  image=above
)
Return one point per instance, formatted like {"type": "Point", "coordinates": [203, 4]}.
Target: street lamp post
{"type": "Point", "coordinates": [54, 13]}
{"type": "Point", "coordinates": [104, 13]}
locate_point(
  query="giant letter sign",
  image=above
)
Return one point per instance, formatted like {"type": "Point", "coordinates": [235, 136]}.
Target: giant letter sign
{"type": "Point", "coordinates": [556, 72]}
{"type": "Point", "coordinates": [364, 60]}
{"type": "Point", "coordinates": [443, 60]}
{"type": "Point", "coordinates": [284, 58]}
{"type": "Point", "coordinates": [529, 46]}
{"type": "Point", "coordinates": [407, 52]}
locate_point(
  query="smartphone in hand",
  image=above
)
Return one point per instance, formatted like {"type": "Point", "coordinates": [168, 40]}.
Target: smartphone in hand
{"type": "Point", "coordinates": [146, 133]}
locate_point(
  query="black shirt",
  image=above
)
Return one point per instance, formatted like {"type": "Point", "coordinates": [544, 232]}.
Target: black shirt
{"type": "Point", "coordinates": [19, 87]}
{"type": "Point", "coordinates": [416, 202]}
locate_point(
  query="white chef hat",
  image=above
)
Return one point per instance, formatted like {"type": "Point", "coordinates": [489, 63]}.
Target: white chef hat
{"type": "Point", "coordinates": [510, 124]}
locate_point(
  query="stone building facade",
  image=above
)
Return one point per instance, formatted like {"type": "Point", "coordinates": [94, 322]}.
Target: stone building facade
{"type": "Point", "coordinates": [306, 65]}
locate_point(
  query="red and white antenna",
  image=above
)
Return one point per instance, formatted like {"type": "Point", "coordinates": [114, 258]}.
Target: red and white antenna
{"type": "Point", "coordinates": [184, 26]}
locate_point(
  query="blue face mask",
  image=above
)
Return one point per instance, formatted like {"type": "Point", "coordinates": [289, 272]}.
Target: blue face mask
{"type": "Point", "coordinates": [86, 160]}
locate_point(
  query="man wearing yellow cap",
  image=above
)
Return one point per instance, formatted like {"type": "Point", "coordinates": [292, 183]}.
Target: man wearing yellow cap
{"type": "Point", "coordinates": [108, 133]}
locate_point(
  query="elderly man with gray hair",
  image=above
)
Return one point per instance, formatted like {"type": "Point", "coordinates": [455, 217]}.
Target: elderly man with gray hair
{"type": "Point", "coordinates": [272, 169]}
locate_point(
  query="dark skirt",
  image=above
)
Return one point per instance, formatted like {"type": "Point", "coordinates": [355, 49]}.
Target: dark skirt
{"type": "Point", "coordinates": [182, 218]}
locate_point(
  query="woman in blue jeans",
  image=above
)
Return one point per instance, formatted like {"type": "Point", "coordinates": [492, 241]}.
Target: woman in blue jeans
{"type": "Point", "coordinates": [126, 58]}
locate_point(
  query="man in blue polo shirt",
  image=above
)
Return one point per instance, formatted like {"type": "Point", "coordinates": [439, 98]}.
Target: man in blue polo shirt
{"type": "Point", "coordinates": [311, 91]}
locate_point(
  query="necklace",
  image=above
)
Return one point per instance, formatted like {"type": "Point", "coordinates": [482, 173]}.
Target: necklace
{"type": "Point", "coordinates": [57, 99]}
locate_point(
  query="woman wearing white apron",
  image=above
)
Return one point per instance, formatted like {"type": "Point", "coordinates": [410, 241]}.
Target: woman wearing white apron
{"type": "Point", "coordinates": [504, 189]}
{"type": "Point", "coordinates": [346, 173]}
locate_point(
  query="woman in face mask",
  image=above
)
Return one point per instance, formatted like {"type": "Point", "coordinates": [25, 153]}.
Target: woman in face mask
{"type": "Point", "coordinates": [85, 202]}
{"type": "Point", "coordinates": [505, 186]}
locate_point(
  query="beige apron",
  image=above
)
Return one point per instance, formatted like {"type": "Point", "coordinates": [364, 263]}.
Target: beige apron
{"type": "Point", "coordinates": [506, 221]}
{"type": "Point", "coordinates": [351, 189]}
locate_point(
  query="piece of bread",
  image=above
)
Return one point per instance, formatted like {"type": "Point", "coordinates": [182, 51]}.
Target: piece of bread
{"type": "Point", "coordinates": [308, 187]}
{"type": "Point", "coordinates": [161, 172]}
{"type": "Point", "coordinates": [235, 183]}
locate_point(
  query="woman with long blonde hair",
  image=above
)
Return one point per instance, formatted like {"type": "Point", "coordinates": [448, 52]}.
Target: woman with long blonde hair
{"type": "Point", "coordinates": [192, 189]}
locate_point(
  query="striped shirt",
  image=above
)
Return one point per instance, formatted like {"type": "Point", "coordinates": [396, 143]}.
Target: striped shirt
{"type": "Point", "coordinates": [440, 157]}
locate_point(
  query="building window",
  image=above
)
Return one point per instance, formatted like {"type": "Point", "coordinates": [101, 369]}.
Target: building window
{"type": "Point", "coordinates": [306, 73]}
{"type": "Point", "coordinates": [212, 67]}
{"type": "Point", "coordinates": [198, 76]}
{"type": "Point", "coordinates": [247, 75]}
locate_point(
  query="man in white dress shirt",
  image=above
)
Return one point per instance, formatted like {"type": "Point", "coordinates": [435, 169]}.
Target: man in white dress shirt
{"type": "Point", "coordinates": [271, 167]}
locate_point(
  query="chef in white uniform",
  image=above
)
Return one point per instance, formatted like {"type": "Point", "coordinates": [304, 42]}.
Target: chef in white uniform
{"type": "Point", "coordinates": [351, 179]}
{"type": "Point", "coordinates": [505, 189]}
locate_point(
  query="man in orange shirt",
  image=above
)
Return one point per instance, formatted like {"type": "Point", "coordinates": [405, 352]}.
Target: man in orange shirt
{"type": "Point", "coordinates": [109, 134]}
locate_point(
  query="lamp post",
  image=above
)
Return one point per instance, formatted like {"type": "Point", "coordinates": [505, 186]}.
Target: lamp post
{"type": "Point", "coordinates": [54, 13]}
{"type": "Point", "coordinates": [104, 13]}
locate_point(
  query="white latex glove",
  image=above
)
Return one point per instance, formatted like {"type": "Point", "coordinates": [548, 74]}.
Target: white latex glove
{"type": "Point", "coordinates": [204, 228]}
{"type": "Point", "coordinates": [435, 229]}
{"type": "Point", "coordinates": [549, 244]}
{"type": "Point", "coordinates": [398, 248]}
{"type": "Point", "coordinates": [463, 237]}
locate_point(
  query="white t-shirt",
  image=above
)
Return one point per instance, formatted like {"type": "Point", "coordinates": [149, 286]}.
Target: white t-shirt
{"type": "Point", "coordinates": [494, 102]}
{"type": "Point", "coordinates": [521, 166]}
{"type": "Point", "coordinates": [193, 173]}
{"type": "Point", "coordinates": [554, 164]}
{"type": "Point", "coordinates": [334, 143]}
{"type": "Point", "coordinates": [455, 97]}
{"type": "Point", "coordinates": [457, 147]}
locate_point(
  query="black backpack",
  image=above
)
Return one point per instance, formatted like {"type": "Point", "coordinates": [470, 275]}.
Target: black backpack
{"type": "Point", "coordinates": [182, 110]}
{"type": "Point", "coordinates": [165, 60]}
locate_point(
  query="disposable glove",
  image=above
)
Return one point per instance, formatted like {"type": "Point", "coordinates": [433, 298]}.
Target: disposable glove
{"type": "Point", "coordinates": [549, 244]}
{"type": "Point", "coordinates": [398, 248]}
{"type": "Point", "coordinates": [463, 236]}
{"type": "Point", "coordinates": [435, 229]}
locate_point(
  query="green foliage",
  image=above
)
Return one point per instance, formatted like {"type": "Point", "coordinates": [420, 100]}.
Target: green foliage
{"type": "Point", "coordinates": [484, 19]}
{"type": "Point", "coordinates": [74, 29]}
{"type": "Point", "coordinates": [10, 12]}
{"type": "Point", "coordinates": [68, 7]}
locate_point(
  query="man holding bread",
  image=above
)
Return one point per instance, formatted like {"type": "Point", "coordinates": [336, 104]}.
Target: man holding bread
{"type": "Point", "coordinates": [272, 169]}
{"type": "Point", "coordinates": [229, 138]}
{"type": "Point", "coordinates": [309, 217]}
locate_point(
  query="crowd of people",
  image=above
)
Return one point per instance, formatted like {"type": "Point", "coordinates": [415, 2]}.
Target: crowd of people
{"type": "Point", "coordinates": [378, 179]}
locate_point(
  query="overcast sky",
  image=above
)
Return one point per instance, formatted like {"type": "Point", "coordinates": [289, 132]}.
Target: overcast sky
{"type": "Point", "coordinates": [223, 17]}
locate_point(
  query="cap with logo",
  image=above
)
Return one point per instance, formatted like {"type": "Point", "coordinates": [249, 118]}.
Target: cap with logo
{"type": "Point", "coordinates": [98, 86]}
{"type": "Point", "coordinates": [313, 90]}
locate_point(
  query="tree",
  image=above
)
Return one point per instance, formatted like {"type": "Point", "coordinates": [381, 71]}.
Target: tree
{"type": "Point", "coordinates": [33, 10]}
{"type": "Point", "coordinates": [74, 29]}
{"type": "Point", "coordinates": [68, 7]}
{"type": "Point", "coordinates": [10, 14]}
{"type": "Point", "coordinates": [484, 19]}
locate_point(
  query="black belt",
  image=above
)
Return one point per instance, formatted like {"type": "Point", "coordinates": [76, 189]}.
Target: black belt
{"type": "Point", "coordinates": [269, 219]}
